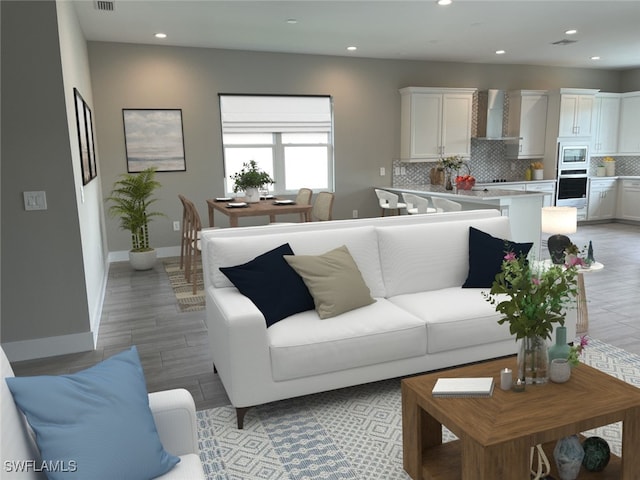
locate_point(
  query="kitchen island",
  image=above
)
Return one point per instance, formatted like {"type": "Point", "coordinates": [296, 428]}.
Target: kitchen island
{"type": "Point", "coordinates": [522, 208]}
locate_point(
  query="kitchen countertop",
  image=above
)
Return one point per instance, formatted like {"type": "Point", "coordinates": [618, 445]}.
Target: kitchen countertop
{"type": "Point", "coordinates": [475, 194]}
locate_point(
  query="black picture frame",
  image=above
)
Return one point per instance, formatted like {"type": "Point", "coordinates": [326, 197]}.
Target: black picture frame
{"type": "Point", "coordinates": [83, 137]}
{"type": "Point", "coordinates": [93, 167]}
{"type": "Point", "coordinates": [154, 138]}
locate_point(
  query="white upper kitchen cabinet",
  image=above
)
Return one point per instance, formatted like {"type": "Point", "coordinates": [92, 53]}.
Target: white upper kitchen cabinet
{"type": "Point", "coordinates": [435, 122]}
{"type": "Point", "coordinates": [527, 119]}
{"type": "Point", "coordinates": [576, 114]}
{"type": "Point", "coordinates": [606, 115]}
{"type": "Point", "coordinates": [629, 128]}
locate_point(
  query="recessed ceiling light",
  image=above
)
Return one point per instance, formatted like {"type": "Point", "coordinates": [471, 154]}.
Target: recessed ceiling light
{"type": "Point", "coordinates": [444, 2]}
{"type": "Point", "coordinates": [500, 52]}
{"type": "Point", "coordinates": [292, 21]}
{"type": "Point", "coordinates": [352, 48]}
{"type": "Point", "coordinates": [573, 31]}
{"type": "Point", "coordinates": [160, 35]}
{"type": "Point", "coordinates": [595, 58]}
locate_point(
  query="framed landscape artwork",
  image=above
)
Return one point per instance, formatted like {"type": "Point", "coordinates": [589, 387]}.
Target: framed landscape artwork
{"type": "Point", "coordinates": [154, 138]}
{"type": "Point", "coordinates": [85, 138]}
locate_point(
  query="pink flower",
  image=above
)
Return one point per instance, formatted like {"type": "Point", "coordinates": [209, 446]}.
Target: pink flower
{"type": "Point", "coordinates": [510, 256]}
{"type": "Point", "coordinates": [535, 280]}
{"type": "Point", "coordinates": [574, 261]}
{"type": "Point", "coordinates": [584, 341]}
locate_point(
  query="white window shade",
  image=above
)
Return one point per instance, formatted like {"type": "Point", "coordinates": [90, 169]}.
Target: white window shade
{"type": "Point", "coordinates": [247, 113]}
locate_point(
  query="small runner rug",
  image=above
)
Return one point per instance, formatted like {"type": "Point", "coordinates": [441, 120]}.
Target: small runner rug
{"type": "Point", "coordinates": [187, 301]}
{"type": "Point", "coordinates": [351, 433]}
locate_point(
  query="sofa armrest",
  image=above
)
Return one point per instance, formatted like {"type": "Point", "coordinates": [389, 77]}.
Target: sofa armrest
{"type": "Point", "coordinates": [239, 346]}
{"type": "Point", "coordinates": [174, 412]}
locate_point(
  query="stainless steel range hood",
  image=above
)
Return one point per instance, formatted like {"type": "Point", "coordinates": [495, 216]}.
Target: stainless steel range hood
{"type": "Point", "coordinates": [491, 115]}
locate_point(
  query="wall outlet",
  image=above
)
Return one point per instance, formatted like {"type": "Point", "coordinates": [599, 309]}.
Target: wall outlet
{"type": "Point", "coordinates": [355, 214]}
{"type": "Point", "coordinates": [176, 226]}
{"type": "Point", "coordinates": [396, 171]}
{"type": "Point", "coordinates": [403, 170]}
{"type": "Point", "coordinates": [383, 171]}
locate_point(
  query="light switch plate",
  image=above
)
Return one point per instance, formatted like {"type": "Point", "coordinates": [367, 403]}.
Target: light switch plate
{"type": "Point", "coordinates": [35, 200]}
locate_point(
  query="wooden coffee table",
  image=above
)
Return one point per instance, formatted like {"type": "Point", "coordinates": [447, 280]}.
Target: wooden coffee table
{"type": "Point", "coordinates": [496, 434]}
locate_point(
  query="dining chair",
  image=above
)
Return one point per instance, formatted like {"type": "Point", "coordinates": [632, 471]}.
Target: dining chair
{"type": "Point", "coordinates": [304, 198]}
{"type": "Point", "coordinates": [191, 228]}
{"type": "Point", "coordinates": [183, 234]}
{"type": "Point", "coordinates": [322, 209]}
{"type": "Point", "coordinates": [417, 204]}
{"type": "Point", "coordinates": [389, 201]}
{"type": "Point", "coordinates": [444, 205]}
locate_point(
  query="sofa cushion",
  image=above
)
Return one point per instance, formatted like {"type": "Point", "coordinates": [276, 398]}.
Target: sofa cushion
{"type": "Point", "coordinates": [334, 281]}
{"type": "Point", "coordinates": [97, 422]}
{"type": "Point", "coordinates": [271, 284]}
{"type": "Point", "coordinates": [362, 242]}
{"type": "Point", "coordinates": [486, 253]}
{"type": "Point", "coordinates": [304, 345]}
{"type": "Point", "coordinates": [455, 318]}
{"type": "Point", "coordinates": [423, 257]}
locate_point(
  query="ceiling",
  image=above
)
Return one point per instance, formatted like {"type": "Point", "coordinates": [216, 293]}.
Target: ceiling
{"type": "Point", "coordinates": [466, 31]}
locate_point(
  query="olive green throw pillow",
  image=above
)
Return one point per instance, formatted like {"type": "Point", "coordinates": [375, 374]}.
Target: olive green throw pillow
{"type": "Point", "coordinates": [334, 281]}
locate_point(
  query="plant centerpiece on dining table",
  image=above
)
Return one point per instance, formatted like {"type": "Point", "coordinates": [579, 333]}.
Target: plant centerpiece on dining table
{"type": "Point", "coordinates": [450, 165]}
{"type": "Point", "coordinates": [532, 297]}
{"type": "Point", "coordinates": [250, 179]}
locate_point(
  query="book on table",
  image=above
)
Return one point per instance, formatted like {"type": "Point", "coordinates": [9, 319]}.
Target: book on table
{"type": "Point", "coordinates": [463, 387]}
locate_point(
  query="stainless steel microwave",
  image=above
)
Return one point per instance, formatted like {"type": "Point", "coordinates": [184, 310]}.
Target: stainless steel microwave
{"type": "Point", "coordinates": [572, 156]}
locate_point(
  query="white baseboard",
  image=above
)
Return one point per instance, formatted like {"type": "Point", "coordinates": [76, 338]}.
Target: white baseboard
{"type": "Point", "coordinates": [48, 346]}
{"type": "Point", "coordinates": [163, 252]}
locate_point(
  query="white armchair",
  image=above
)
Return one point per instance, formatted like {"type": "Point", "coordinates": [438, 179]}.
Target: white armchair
{"type": "Point", "coordinates": [174, 413]}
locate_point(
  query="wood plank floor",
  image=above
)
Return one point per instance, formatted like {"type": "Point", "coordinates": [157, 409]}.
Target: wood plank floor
{"type": "Point", "coordinates": [140, 309]}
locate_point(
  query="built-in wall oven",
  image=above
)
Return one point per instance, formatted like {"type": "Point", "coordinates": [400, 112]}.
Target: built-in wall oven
{"type": "Point", "coordinates": [571, 189]}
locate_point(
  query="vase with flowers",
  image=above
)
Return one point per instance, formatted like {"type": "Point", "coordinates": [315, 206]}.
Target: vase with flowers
{"type": "Point", "coordinates": [532, 297]}
{"type": "Point", "coordinates": [450, 165]}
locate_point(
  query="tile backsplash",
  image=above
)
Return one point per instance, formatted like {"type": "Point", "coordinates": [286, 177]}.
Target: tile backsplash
{"type": "Point", "coordinates": [488, 162]}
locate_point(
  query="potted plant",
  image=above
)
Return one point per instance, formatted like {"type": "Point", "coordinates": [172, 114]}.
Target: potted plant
{"type": "Point", "coordinates": [131, 197]}
{"type": "Point", "coordinates": [532, 296]}
{"type": "Point", "coordinates": [250, 179]}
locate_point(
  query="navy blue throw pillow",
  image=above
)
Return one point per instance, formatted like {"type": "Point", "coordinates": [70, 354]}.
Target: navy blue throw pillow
{"type": "Point", "coordinates": [486, 253]}
{"type": "Point", "coordinates": [272, 285]}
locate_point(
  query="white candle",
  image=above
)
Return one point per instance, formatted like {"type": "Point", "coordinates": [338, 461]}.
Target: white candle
{"type": "Point", "coordinates": [505, 379]}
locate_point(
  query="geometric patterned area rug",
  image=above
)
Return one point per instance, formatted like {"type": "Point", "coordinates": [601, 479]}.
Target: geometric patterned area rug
{"type": "Point", "coordinates": [351, 433]}
{"type": "Point", "coordinates": [187, 301]}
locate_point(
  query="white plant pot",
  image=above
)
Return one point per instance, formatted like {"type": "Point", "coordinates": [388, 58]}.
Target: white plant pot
{"type": "Point", "coordinates": [538, 174]}
{"type": "Point", "coordinates": [142, 260]}
{"type": "Point", "coordinates": [601, 171]}
{"type": "Point", "coordinates": [252, 195]}
{"type": "Point", "coordinates": [610, 168]}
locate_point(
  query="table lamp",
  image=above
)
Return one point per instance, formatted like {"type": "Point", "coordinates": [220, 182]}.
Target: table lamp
{"type": "Point", "coordinates": [558, 221]}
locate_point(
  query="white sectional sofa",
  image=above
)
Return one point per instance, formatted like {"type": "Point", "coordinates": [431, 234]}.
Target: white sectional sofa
{"type": "Point", "coordinates": [421, 320]}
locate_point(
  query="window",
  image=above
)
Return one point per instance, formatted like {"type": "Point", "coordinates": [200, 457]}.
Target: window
{"type": "Point", "coordinates": [289, 137]}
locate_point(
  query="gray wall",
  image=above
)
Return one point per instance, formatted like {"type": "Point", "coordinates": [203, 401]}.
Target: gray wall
{"type": "Point", "coordinates": [43, 284]}
{"type": "Point", "coordinates": [630, 80]}
{"type": "Point", "coordinates": [366, 102]}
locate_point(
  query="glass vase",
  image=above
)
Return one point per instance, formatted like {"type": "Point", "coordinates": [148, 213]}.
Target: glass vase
{"type": "Point", "coordinates": [448, 184]}
{"type": "Point", "coordinates": [533, 360]}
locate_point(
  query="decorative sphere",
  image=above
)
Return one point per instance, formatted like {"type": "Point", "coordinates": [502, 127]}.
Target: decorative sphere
{"type": "Point", "coordinates": [596, 454]}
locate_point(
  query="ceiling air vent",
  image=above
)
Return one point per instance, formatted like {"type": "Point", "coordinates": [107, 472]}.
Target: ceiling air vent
{"type": "Point", "coordinates": [564, 42]}
{"type": "Point", "coordinates": [104, 5]}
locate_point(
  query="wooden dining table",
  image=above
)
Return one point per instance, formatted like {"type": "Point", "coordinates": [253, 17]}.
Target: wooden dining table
{"type": "Point", "coordinates": [264, 207]}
